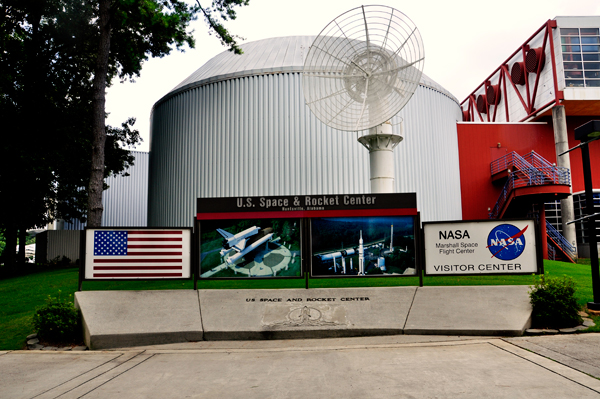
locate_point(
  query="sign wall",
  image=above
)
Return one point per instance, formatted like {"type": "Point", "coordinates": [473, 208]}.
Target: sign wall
{"type": "Point", "coordinates": [481, 247]}
{"type": "Point", "coordinates": [328, 235]}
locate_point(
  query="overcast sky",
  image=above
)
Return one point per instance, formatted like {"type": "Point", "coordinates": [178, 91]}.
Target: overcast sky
{"type": "Point", "coordinates": [465, 41]}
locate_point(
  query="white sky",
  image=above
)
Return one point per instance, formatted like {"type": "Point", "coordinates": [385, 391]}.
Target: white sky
{"type": "Point", "coordinates": [465, 41]}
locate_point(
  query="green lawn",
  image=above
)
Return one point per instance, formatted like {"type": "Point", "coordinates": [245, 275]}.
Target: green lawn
{"type": "Point", "coordinates": [19, 296]}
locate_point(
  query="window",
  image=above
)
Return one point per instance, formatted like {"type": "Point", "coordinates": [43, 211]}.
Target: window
{"type": "Point", "coordinates": [554, 217]}
{"type": "Point", "coordinates": [581, 45]}
{"type": "Point", "coordinates": [592, 74]}
{"type": "Point", "coordinates": [569, 31]}
{"type": "Point", "coordinates": [553, 214]}
{"type": "Point", "coordinates": [573, 65]}
{"type": "Point", "coordinates": [589, 40]}
{"type": "Point", "coordinates": [574, 74]}
{"type": "Point", "coordinates": [580, 211]}
{"type": "Point", "coordinates": [573, 57]}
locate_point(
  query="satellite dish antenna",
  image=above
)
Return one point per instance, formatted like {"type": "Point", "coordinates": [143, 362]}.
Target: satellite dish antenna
{"type": "Point", "coordinates": [361, 71]}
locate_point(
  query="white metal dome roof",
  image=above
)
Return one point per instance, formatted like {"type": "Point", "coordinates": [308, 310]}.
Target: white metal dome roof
{"type": "Point", "coordinates": [240, 126]}
{"type": "Point", "coordinates": [267, 56]}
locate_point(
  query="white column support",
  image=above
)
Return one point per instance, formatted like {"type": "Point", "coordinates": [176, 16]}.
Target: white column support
{"type": "Point", "coordinates": [381, 142]}
{"type": "Point", "coordinates": [561, 143]}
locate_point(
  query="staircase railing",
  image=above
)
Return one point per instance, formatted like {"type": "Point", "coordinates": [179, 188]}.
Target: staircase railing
{"type": "Point", "coordinates": [536, 160]}
{"type": "Point", "coordinates": [510, 160]}
{"type": "Point", "coordinates": [561, 241]}
{"type": "Point", "coordinates": [532, 170]}
{"type": "Point", "coordinates": [551, 253]}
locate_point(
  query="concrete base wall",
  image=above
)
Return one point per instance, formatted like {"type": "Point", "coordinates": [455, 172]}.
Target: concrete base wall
{"type": "Point", "coordinates": [113, 319]}
{"type": "Point", "coordinates": [470, 310]}
{"type": "Point", "coordinates": [301, 313]}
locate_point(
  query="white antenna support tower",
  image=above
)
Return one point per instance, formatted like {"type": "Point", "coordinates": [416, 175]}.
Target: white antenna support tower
{"type": "Point", "coordinates": [381, 142]}
{"type": "Point", "coordinates": [361, 71]}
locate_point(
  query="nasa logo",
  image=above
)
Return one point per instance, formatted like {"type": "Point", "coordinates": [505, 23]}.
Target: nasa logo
{"type": "Point", "coordinates": [506, 241]}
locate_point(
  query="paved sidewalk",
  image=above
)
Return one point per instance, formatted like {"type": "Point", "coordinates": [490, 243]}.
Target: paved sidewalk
{"type": "Point", "coordinates": [369, 367]}
{"type": "Point", "coordinates": [579, 351]}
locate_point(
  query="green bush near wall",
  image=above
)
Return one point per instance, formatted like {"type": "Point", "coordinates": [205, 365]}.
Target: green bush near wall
{"type": "Point", "coordinates": [554, 302]}
{"type": "Point", "coordinates": [57, 320]}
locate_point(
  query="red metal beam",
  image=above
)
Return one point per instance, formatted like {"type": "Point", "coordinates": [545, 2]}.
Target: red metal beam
{"type": "Point", "coordinates": [505, 92]}
{"type": "Point", "coordinates": [537, 73]}
{"type": "Point", "coordinates": [558, 94]}
{"type": "Point", "coordinates": [503, 73]}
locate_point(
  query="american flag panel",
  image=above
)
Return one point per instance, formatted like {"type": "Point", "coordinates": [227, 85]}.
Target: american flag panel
{"type": "Point", "coordinates": [138, 253]}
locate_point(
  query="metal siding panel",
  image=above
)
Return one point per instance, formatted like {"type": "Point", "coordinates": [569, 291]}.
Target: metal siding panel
{"type": "Point", "coordinates": [126, 200]}
{"type": "Point", "coordinates": [255, 136]}
{"type": "Point", "coordinates": [63, 243]}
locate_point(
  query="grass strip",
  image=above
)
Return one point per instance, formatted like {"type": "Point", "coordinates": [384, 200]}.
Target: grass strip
{"type": "Point", "coordinates": [20, 296]}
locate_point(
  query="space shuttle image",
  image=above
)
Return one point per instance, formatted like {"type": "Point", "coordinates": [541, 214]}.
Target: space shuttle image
{"type": "Point", "coordinates": [236, 241]}
{"type": "Point", "coordinates": [243, 242]}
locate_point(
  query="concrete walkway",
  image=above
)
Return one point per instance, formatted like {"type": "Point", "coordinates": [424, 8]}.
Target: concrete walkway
{"type": "Point", "coordinates": [402, 366]}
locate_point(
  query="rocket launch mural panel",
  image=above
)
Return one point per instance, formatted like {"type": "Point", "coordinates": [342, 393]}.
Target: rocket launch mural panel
{"type": "Point", "coordinates": [363, 246]}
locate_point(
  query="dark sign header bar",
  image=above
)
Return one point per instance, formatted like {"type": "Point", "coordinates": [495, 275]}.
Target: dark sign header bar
{"type": "Point", "coordinates": [304, 205]}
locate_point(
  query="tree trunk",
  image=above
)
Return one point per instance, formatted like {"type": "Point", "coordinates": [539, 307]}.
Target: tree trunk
{"type": "Point", "coordinates": [95, 207]}
{"type": "Point", "coordinates": [9, 254]}
{"type": "Point", "coordinates": [22, 242]}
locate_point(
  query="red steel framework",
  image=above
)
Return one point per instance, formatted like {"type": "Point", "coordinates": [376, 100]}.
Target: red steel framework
{"type": "Point", "coordinates": [481, 104]}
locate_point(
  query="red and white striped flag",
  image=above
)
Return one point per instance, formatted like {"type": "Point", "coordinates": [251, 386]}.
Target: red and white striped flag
{"type": "Point", "coordinates": [138, 253]}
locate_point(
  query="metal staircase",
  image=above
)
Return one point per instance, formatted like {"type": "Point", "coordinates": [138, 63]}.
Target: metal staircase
{"type": "Point", "coordinates": [528, 171]}
{"type": "Point", "coordinates": [560, 243]}
{"type": "Point", "coordinates": [525, 171]}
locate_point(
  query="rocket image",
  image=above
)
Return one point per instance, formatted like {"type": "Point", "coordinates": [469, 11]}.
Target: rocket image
{"type": "Point", "coordinates": [361, 256]}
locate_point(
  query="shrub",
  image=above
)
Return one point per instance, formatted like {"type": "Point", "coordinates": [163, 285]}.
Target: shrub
{"type": "Point", "coordinates": [554, 302]}
{"type": "Point", "coordinates": [57, 320]}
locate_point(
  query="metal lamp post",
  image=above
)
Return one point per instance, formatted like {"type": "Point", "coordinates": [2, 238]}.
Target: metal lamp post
{"type": "Point", "coordinates": [587, 133]}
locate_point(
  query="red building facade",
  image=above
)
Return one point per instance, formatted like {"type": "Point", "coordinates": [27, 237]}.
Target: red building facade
{"type": "Point", "coordinates": [524, 114]}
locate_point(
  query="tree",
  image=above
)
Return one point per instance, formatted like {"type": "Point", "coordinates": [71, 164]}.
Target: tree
{"type": "Point", "coordinates": [52, 83]}
{"type": "Point", "coordinates": [129, 32]}
{"type": "Point", "coordinates": [46, 74]}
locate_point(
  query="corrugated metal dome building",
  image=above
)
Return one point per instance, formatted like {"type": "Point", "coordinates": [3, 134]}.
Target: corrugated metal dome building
{"type": "Point", "coordinates": [239, 126]}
